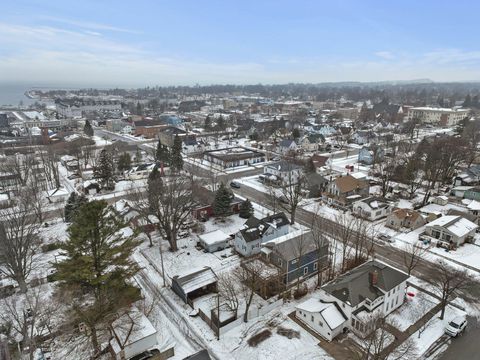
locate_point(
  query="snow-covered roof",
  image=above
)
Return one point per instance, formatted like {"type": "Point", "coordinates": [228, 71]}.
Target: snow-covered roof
{"type": "Point", "coordinates": [474, 205]}
{"type": "Point", "coordinates": [214, 237]}
{"type": "Point", "coordinates": [333, 317]}
{"type": "Point", "coordinates": [196, 279]}
{"type": "Point", "coordinates": [4, 197]}
{"type": "Point", "coordinates": [457, 225]}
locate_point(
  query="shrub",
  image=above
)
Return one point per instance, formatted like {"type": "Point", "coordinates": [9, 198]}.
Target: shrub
{"type": "Point", "coordinates": [259, 337]}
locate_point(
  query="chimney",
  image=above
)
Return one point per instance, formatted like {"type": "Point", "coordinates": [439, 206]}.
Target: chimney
{"type": "Point", "coordinates": [373, 277]}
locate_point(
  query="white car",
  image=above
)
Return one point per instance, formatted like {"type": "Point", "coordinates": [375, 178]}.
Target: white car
{"type": "Point", "coordinates": [456, 326]}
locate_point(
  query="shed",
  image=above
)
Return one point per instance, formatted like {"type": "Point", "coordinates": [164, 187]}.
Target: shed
{"type": "Point", "coordinates": [214, 240]}
{"type": "Point", "coordinates": [57, 195]}
{"type": "Point", "coordinates": [194, 284]}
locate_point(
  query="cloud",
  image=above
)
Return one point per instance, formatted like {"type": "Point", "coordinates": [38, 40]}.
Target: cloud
{"type": "Point", "coordinates": [387, 55]}
{"type": "Point", "coordinates": [90, 25]}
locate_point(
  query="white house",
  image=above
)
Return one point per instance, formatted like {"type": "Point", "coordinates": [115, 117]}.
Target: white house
{"type": "Point", "coordinates": [140, 171]}
{"type": "Point", "coordinates": [284, 172]}
{"type": "Point", "coordinates": [57, 195]}
{"type": "Point", "coordinates": [451, 229]}
{"type": "Point", "coordinates": [287, 145]}
{"type": "Point", "coordinates": [325, 318]}
{"type": "Point", "coordinates": [248, 240]}
{"type": "Point", "coordinates": [371, 208]}
{"type": "Point", "coordinates": [361, 296]}
{"type": "Point", "coordinates": [214, 240]}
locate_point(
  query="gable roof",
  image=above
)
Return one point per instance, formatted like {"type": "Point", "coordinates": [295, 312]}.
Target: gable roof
{"type": "Point", "coordinates": [402, 214]}
{"type": "Point", "coordinates": [255, 228]}
{"type": "Point", "coordinates": [349, 183]}
{"type": "Point", "coordinates": [355, 286]}
{"type": "Point", "coordinates": [286, 143]}
{"type": "Point", "coordinates": [457, 225]}
{"type": "Point", "coordinates": [288, 246]}
{"type": "Point", "coordinates": [330, 311]}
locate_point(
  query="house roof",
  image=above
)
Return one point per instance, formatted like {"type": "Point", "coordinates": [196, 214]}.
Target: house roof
{"type": "Point", "coordinates": [283, 166]}
{"type": "Point", "coordinates": [196, 279]}
{"type": "Point", "coordinates": [355, 286]}
{"type": "Point", "coordinates": [201, 355]}
{"type": "Point", "coordinates": [375, 203]}
{"type": "Point", "coordinates": [319, 160]}
{"type": "Point", "coordinates": [214, 237]}
{"type": "Point", "coordinates": [255, 228]}
{"type": "Point", "coordinates": [457, 225]}
{"type": "Point", "coordinates": [349, 183]}
{"type": "Point", "coordinates": [332, 315]}
{"type": "Point", "coordinates": [406, 213]}
{"type": "Point", "coordinates": [288, 246]}
{"type": "Point", "coordinates": [286, 143]}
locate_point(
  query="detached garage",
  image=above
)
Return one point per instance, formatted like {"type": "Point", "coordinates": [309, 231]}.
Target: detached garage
{"type": "Point", "coordinates": [195, 284]}
{"type": "Point", "coordinates": [214, 240]}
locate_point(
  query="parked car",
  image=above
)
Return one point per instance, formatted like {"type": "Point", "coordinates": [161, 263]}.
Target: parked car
{"type": "Point", "coordinates": [73, 176]}
{"type": "Point", "coordinates": [456, 326]}
{"type": "Point", "coordinates": [386, 238]}
{"type": "Point", "coordinates": [235, 185]}
{"type": "Point", "coordinates": [183, 234]}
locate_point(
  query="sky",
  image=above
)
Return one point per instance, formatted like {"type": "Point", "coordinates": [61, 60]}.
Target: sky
{"type": "Point", "coordinates": [103, 43]}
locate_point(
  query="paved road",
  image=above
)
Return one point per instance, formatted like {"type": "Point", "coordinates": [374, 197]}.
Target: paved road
{"type": "Point", "coordinates": [465, 347]}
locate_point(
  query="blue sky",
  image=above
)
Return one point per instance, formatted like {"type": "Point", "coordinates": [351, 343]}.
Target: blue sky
{"type": "Point", "coordinates": [136, 43]}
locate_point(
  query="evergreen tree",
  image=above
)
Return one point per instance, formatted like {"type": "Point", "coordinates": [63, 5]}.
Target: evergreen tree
{"type": "Point", "coordinates": [221, 123]}
{"type": "Point", "coordinates": [74, 202]}
{"type": "Point", "coordinates": [94, 276]}
{"type": "Point", "coordinates": [138, 156]}
{"type": "Point", "coordinates": [139, 109]}
{"type": "Point", "coordinates": [104, 169]}
{"type": "Point", "coordinates": [223, 200]}
{"type": "Point", "coordinates": [246, 209]}
{"type": "Point", "coordinates": [309, 167]}
{"type": "Point", "coordinates": [208, 123]}
{"type": "Point", "coordinates": [295, 133]}
{"type": "Point", "coordinates": [87, 129]}
{"type": "Point", "coordinates": [124, 162]}
{"type": "Point", "coordinates": [176, 160]}
{"type": "Point", "coordinates": [162, 154]}
{"type": "Point", "coordinates": [468, 101]}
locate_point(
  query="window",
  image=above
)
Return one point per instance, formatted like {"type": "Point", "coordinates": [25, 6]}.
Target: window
{"type": "Point", "coordinates": [311, 318]}
{"type": "Point", "coordinates": [315, 266]}
{"type": "Point", "coordinates": [320, 323]}
{"type": "Point", "coordinates": [305, 270]}
{"type": "Point", "coordinates": [304, 315]}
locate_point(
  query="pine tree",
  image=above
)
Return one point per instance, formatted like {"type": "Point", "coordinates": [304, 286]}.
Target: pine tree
{"type": "Point", "coordinates": [176, 160]}
{"type": "Point", "coordinates": [87, 129]}
{"type": "Point", "coordinates": [74, 202]}
{"type": "Point", "coordinates": [221, 123]}
{"type": "Point", "coordinates": [162, 154]}
{"type": "Point", "coordinates": [246, 209]}
{"type": "Point", "coordinates": [94, 276]}
{"type": "Point", "coordinates": [124, 162]}
{"type": "Point", "coordinates": [208, 123]}
{"type": "Point", "coordinates": [223, 200]}
{"type": "Point", "coordinates": [468, 101]}
{"type": "Point", "coordinates": [104, 169]}
{"type": "Point", "coordinates": [309, 167]}
{"type": "Point", "coordinates": [138, 156]}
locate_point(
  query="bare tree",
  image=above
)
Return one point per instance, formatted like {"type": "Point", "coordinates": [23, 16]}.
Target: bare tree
{"type": "Point", "coordinates": [291, 194]}
{"type": "Point", "coordinates": [171, 201]}
{"type": "Point", "coordinates": [447, 281]}
{"type": "Point", "coordinates": [321, 242]}
{"type": "Point", "coordinates": [249, 275]}
{"type": "Point", "coordinates": [18, 240]}
{"type": "Point", "coordinates": [344, 233]}
{"type": "Point", "coordinates": [412, 255]}
{"type": "Point", "coordinates": [228, 287]}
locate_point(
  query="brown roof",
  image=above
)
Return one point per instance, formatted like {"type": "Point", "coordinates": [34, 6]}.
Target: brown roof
{"type": "Point", "coordinates": [404, 213]}
{"type": "Point", "coordinates": [349, 183]}
{"type": "Point", "coordinates": [319, 160]}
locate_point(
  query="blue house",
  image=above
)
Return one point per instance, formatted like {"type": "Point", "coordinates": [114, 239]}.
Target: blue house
{"type": "Point", "coordinates": [369, 155]}
{"type": "Point", "coordinates": [297, 255]}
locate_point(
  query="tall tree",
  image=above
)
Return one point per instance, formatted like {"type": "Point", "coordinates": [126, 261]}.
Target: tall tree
{"type": "Point", "coordinates": [88, 129]}
{"type": "Point", "coordinates": [246, 209]}
{"type": "Point", "coordinates": [208, 123]}
{"type": "Point", "coordinates": [74, 202]}
{"type": "Point", "coordinates": [171, 201]}
{"type": "Point", "coordinates": [176, 160]}
{"type": "Point", "coordinates": [124, 162]}
{"type": "Point", "coordinates": [223, 199]}
{"type": "Point", "coordinates": [162, 154]}
{"type": "Point", "coordinates": [295, 133]}
{"type": "Point", "coordinates": [292, 193]}
{"type": "Point", "coordinates": [104, 169]}
{"type": "Point", "coordinates": [94, 276]}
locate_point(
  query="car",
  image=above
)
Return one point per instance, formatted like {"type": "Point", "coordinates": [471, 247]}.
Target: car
{"type": "Point", "coordinates": [183, 234]}
{"type": "Point", "coordinates": [73, 176]}
{"type": "Point", "coordinates": [456, 326]}
{"type": "Point", "coordinates": [146, 354]}
{"type": "Point", "coordinates": [386, 238]}
{"type": "Point", "coordinates": [235, 185]}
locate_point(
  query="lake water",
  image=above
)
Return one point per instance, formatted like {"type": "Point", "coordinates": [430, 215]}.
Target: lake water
{"type": "Point", "coordinates": [12, 94]}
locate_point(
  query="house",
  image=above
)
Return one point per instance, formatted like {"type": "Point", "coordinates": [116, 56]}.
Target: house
{"type": "Point", "coordinates": [4, 200]}
{"type": "Point", "coordinates": [468, 177]}
{"type": "Point", "coordinates": [370, 155]}
{"type": "Point", "coordinates": [283, 172]}
{"type": "Point", "coordinates": [362, 295]}
{"type": "Point", "coordinates": [194, 283]}
{"type": "Point", "coordinates": [362, 137]}
{"type": "Point", "coordinates": [133, 335]}
{"type": "Point", "coordinates": [58, 195]}
{"type": "Point", "coordinates": [311, 142]}
{"type": "Point", "coordinates": [345, 189]}
{"type": "Point", "coordinates": [404, 218]}
{"type": "Point", "coordinates": [287, 146]}
{"type": "Point", "coordinates": [315, 184]}
{"type": "Point", "coordinates": [214, 240]}
{"type": "Point", "coordinates": [234, 157]}
{"type": "Point", "coordinates": [296, 254]}
{"type": "Point", "coordinates": [320, 162]}
{"type": "Point", "coordinates": [371, 208]}
{"type": "Point", "coordinates": [441, 200]}
{"type": "Point", "coordinates": [248, 240]}
{"type": "Point", "coordinates": [451, 229]}
{"type": "Point", "coordinates": [472, 193]}
{"type": "Point", "coordinates": [70, 162]}
{"type": "Point", "coordinates": [325, 318]}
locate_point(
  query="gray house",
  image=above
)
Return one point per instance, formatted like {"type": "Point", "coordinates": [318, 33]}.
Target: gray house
{"type": "Point", "coordinates": [296, 254]}
{"type": "Point", "coordinates": [247, 241]}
